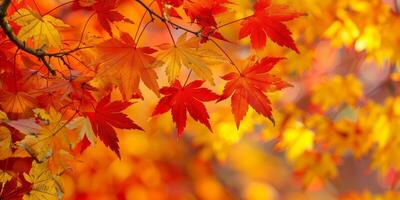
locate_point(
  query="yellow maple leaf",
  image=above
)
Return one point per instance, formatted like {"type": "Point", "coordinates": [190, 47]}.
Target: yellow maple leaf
{"type": "Point", "coordinates": [82, 124]}
{"type": "Point", "coordinates": [188, 53]}
{"type": "Point", "coordinates": [5, 143]}
{"type": "Point", "coordinates": [3, 116]}
{"type": "Point", "coordinates": [44, 184]}
{"type": "Point", "coordinates": [41, 28]}
{"type": "Point", "coordinates": [51, 137]}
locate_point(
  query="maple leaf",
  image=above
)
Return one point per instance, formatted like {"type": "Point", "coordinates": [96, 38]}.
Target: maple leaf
{"type": "Point", "coordinates": [180, 99]}
{"type": "Point", "coordinates": [108, 115]}
{"type": "Point", "coordinates": [5, 143]}
{"type": "Point", "coordinates": [25, 126]}
{"type": "Point", "coordinates": [17, 102]}
{"type": "Point", "coordinates": [43, 141]}
{"type": "Point", "coordinates": [107, 15]}
{"type": "Point", "coordinates": [203, 11]}
{"type": "Point", "coordinates": [268, 21]}
{"type": "Point", "coordinates": [105, 10]}
{"type": "Point", "coordinates": [41, 28]}
{"type": "Point", "coordinates": [44, 184]}
{"type": "Point", "coordinates": [12, 166]}
{"type": "Point", "coordinates": [14, 190]}
{"type": "Point", "coordinates": [188, 53]}
{"type": "Point", "coordinates": [248, 87]}
{"type": "Point", "coordinates": [5, 64]}
{"type": "Point", "coordinates": [167, 7]}
{"type": "Point", "coordinates": [85, 131]}
{"type": "Point", "coordinates": [129, 64]}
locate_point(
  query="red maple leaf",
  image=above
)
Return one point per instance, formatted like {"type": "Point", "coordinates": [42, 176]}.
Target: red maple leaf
{"type": "Point", "coordinates": [14, 190]}
{"type": "Point", "coordinates": [105, 10]}
{"type": "Point", "coordinates": [210, 31]}
{"type": "Point", "coordinates": [268, 21]}
{"type": "Point", "coordinates": [16, 165]}
{"type": "Point", "coordinates": [167, 7]}
{"type": "Point", "coordinates": [203, 12]}
{"type": "Point", "coordinates": [180, 99]}
{"type": "Point", "coordinates": [108, 115]}
{"type": "Point", "coordinates": [248, 87]}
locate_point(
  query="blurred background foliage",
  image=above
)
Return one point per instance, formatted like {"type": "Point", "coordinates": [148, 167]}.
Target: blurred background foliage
{"type": "Point", "coordinates": [336, 134]}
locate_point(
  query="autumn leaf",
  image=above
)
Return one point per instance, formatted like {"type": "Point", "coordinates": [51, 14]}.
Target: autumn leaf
{"type": "Point", "coordinates": [85, 132]}
{"type": "Point", "coordinates": [167, 7]}
{"type": "Point", "coordinates": [203, 12]}
{"type": "Point", "coordinates": [106, 14]}
{"type": "Point", "coordinates": [17, 102]}
{"type": "Point", "coordinates": [5, 64]}
{"type": "Point", "coordinates": [104, 9]}
{"type": "Point", "coordinates": [84, 127]}
{"type": "Point", "coordinates": [44, 184]}
{"type": "Point", "coordinates": [181, 99]}
{"type": "Point", "coordinates": [5, 143]}
{"type": "Point", "coordinates": [108, 115]}
{"type": "Point", "coordinates": [268, 20]}
{"type": "Point", "coordinates": [25, 126]}
{"type": "Point", "coordinates": [248, 88]}
{"type": "Point", "coordinates": [14, 190]}
{"type": "Point", "coordinates": [12, 165]}
{"type": "Point", "coordinates": [41, 28]}
{"type": "Point", "coordinates": [51, 137]}
{"type": "Point", "coordinates": [188, 53]}
{"type": "Point", "coordinates": [129, 64]}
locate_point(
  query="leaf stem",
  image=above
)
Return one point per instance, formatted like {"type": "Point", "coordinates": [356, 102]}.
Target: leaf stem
{"type": "Point", "coordinates": [84, 28]}
{"type": "Point", "coordinates": [141, 21]}
{"type": "Point", "coordinates": [173, 24]}
{"type": "Point", "coordinates": [234, 21]}
{"type": "Point", "coordinates": [141, 33]}
{"type": "Point", "coordinates": [226, 55]}
{"type": "Point", "coordinates": [187, 78]}
{"type": "Point", "coordinates": [170, 34]}
{"type": "Point", "coordinates": [39, 53]}
{"type": "Point", "coordinates": [197, 33]}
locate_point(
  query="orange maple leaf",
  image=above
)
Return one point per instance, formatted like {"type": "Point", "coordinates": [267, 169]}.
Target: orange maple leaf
{"type": "Point", "coordinates": [129, 64]}
{"type": "Point", "coordinates": [248, 87]}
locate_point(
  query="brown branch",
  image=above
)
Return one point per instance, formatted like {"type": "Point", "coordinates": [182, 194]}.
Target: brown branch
{"type": "Point", "coordinates": [39, 53]}
{"type": "Point", "coordinates": [163, 19]}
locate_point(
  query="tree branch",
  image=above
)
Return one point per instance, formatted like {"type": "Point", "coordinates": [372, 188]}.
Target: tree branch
{"type": "Point", "coordinates": [173, 24]}
{"type": "Point", "coordinates": [39, 53]}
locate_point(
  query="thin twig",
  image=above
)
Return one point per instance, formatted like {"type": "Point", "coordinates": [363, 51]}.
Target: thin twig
{"type": "Point", "coordinates": [153, 13]}
{"type": "Point", "coordinates": [226, 55]}
{"type": "Point", "coordinates": [39, 53]}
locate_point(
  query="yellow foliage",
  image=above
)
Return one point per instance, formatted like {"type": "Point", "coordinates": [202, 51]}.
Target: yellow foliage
{"type": "Point", "coordinates": [41, 28]}
{"type": "Point", "coordinates": [44, 184]}
{"type": "Point", "coordinates": [334, 92]}
{"type": "Point", "coordinates": [186, 52]}
{"type": "Point", "coordinates": [5, 143]}
{"type": "Point", "coordinates": [316, 166]}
